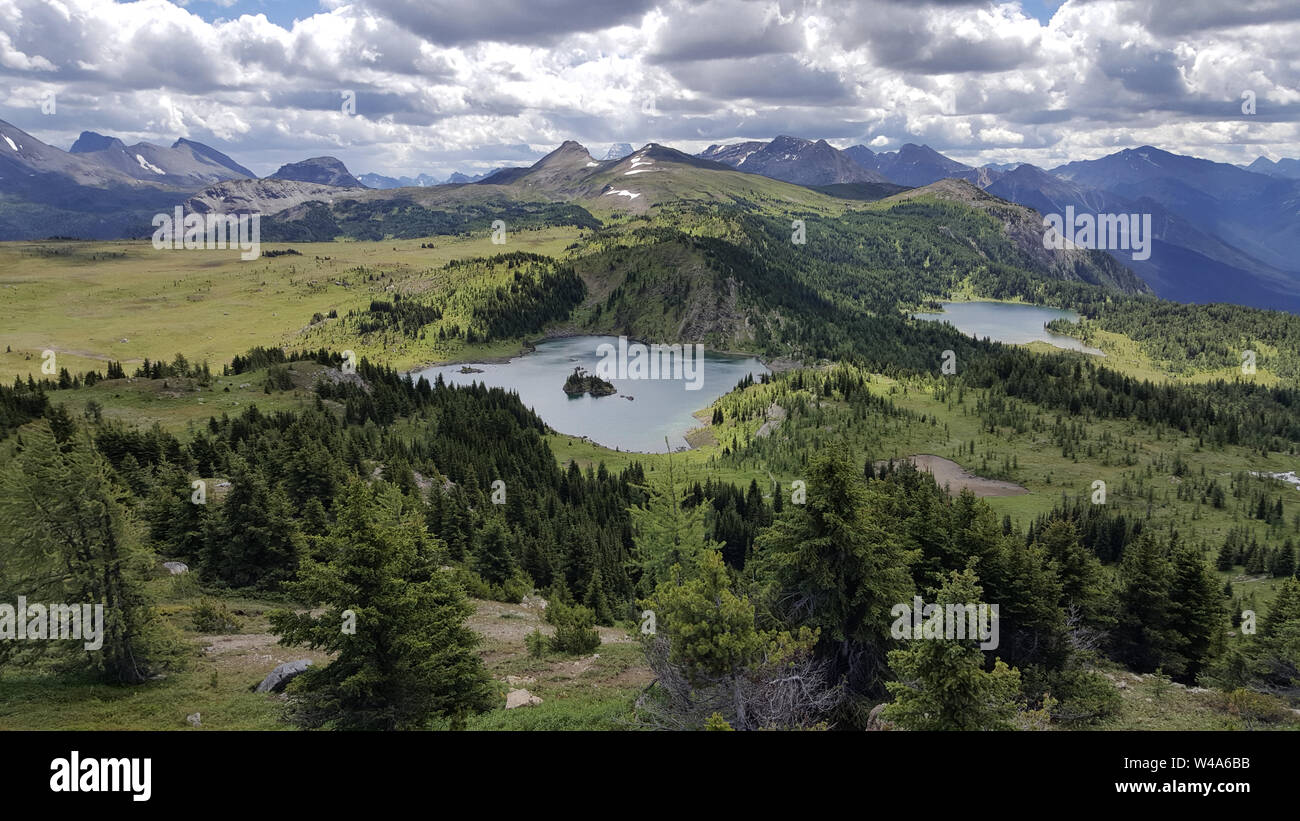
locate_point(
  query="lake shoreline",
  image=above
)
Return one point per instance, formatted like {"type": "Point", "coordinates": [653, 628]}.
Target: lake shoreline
{"type": "Point", "coordinates": [778, 364]}
{"type": "Point", "coordinates": [1010, 323]}
{"type": "Point", "coordinates": [652, 409]}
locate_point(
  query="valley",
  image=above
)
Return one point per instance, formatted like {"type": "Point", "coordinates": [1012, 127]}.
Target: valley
{"type": "Point", "coordinates": [404, 363]}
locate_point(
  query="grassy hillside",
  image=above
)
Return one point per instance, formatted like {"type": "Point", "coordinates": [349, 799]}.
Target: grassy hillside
{"type": "Point", "coordinates": [93, 302]}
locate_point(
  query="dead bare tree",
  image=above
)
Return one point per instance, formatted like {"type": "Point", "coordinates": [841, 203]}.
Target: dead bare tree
{"type": "Point", "coordinates": [1082, 637]}
{"type": "Point", "coordinates": [784, 693]}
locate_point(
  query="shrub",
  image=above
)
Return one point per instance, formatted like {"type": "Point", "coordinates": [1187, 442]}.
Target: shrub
{"type": "Point", "coordinates": [717, 723]}
{"type": "Point", "coordinates": [537, 644]}
{"type": "Point", "coordinates": [472, 584]}
{"type": "Point", "coordinates": [1083, 696]}
{"type": "Point", "coordinates": [575, 628]}
{"type": "Point", "coordinates": [211, 616]}
{"type": "Point", "coordinates": [512, 590]}
{"type": "Point", "coordinates": [1254, 708]}
{"type": "Point", "coordinates": [184, 585]}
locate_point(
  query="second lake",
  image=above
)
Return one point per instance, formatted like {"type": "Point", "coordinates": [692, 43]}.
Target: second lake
{"type": "Point", "coordinates": [1008, 322]}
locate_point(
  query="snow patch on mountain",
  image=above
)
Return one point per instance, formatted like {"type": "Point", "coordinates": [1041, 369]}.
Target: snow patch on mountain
{"type": "Point", "coordinates": [148, 166]}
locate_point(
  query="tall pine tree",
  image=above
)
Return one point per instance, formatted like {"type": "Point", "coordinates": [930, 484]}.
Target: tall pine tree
{"type": "Point", "coordinates": [411, 658]}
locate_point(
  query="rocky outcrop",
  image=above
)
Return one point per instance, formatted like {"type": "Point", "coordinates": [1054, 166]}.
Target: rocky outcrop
{"type": "Point", "coordinates": [521, 698]}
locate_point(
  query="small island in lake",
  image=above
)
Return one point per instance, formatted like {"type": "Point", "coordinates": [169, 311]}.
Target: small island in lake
{"type": "Point", "coordinates": [468, 369]}
{"type": "Point", "coordinates": [580, 382]}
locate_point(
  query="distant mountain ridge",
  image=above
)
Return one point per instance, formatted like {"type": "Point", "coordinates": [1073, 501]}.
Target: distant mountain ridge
{"type": "Point", "coordinates": [1286, 167]}
{"type": "Point", "coordinates": [372, 180]}
{"type": "Point", "coordinates": [185, 163]}
{"type": "Point", "coordinates": [1220, 232]}
{"type": "Point", "coordinates": [1253, 212]}
{"type": "Point", "coordinates": [915, 165]}
{"type": "Point", "coordinates": [792, 159]}
{"type": "Point", "coordinates": [318, 170]}
{"type": "Point", "coordinates": [618, 151]}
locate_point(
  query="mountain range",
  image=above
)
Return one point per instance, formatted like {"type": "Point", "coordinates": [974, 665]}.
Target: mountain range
{"type": "Point", "coordinates": [795, 160]}
{"type": "Point", "coordinates": [372, 180]}
{"type": "Point", "coordinates": [185, 163]}
{"type": "Point", "coordinates": [1220, 232]}
{"type": "Point", "coordinates": [1285, 167]}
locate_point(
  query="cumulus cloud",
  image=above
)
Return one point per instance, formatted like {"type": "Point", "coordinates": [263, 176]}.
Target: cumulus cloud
{"type": "Point", "coordinates": [727, 29]}
{"type": "Point", "coordinates": [442, 86]}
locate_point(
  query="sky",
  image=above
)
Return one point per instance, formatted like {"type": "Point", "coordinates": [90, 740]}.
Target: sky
{"type": "Point", "coordinates": [453, 85]}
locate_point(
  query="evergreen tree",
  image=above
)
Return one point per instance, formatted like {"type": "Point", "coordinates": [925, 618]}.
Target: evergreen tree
{"type": "Point", "coordinates": [411, 658]}
{"type": "Point", "coordinates": [253, 541]}
{"type": "Point", "coordinates": [67, 535]}
{"type": "Point", "coordinates": [597, 600]}
{"type": "Point", "coordinates": [942, 684]}
{"type": "Point", "coordinates": [1286, 608]}
{"type": "Point", "coordinates": [1226, 556]}
{"type": "Point", "coordinates": [1146, 636]}
{"type": "Point", "coordinates": [669, 534]}
{"type": "Point", "coordinates": [1083, 579]}
{"type": "Point", "coordinates": [1255, 561]}
{"type": "Point", "coordinates": [575, 627]}
{"type": "Point", "coordinates": [835, 567]}
{"type": "Point", "coordinates": [1283, 561]}
{"type": "Point", "coordinates": [176, 522]}
{"type": "Point", "coordinates": [1032, 622]}
{"type": "Point", "coordinates": [1197, 612]}
{"type": "Point", "coordinates": [710, 629]}
{"type": "Point", "coordinates": [494, 558]}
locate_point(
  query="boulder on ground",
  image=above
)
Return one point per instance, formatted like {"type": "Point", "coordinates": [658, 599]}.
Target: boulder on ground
{"type": "Point", "coordinates": [276, 680]}
{"type": "Point", "coordinates": [876, 719]}
{"type": "Point", "coordinates": [176, 568]}
{"type": "Point", "coordinates": [521, 698]}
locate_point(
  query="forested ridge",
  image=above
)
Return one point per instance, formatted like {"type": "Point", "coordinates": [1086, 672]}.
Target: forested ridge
{"type": "Point", "coordinates": [381, 219]}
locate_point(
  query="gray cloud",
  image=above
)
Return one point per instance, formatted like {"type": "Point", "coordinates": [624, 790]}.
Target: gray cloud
{"type": "Point", "coordinates": [728, 29]}
{"type": "Point", "coordinates": [1143, 71]}
{"type": "Point", "coordinates": [452, 22]}
{"type": "Point", "coordinates": [1184, 16]}
{"type": "Point", "coordinates": [775, 79]}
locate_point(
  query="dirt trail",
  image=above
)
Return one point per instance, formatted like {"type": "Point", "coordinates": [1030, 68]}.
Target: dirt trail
{"type": "Point", "coordinates": [510, 623]}
{"type": "Point", "coordinates": [250, 656]}
{"type": "Point", "coordinates": [956, 478]}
